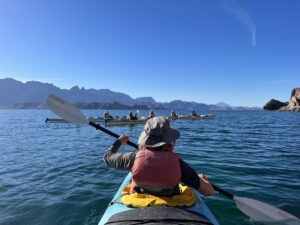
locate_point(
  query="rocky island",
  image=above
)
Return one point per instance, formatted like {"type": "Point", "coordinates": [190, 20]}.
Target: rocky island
{"type": "Point", "coordinates": [292, 106]}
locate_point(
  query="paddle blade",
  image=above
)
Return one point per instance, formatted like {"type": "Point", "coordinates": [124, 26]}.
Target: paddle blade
{"type": "Point", "coordinates": [260, 211]}
{"type": "Point", "coordinates": [65, 110]}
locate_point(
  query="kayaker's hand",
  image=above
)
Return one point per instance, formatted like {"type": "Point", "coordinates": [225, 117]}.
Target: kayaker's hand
{"type": "Point", "coordinates": [123, 139]}
{"type": "Point", "coordinates": [205, 187]}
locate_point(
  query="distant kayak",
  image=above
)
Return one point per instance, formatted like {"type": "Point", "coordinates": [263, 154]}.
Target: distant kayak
{"type": "Point", "coordinates": [92, 119]}
{"type": "Point", "coordinates": [189, 117]}
{"type": "Point", "coordinates": [117, 213]}
{"type": "Point", "coordinates": [124, 121]}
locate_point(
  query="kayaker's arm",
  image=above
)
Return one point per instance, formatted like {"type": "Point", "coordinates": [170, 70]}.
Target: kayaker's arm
{"type": "Point", "coordinates": [189, 175]}
{"type": "Point", "coordinates": [194, 180]}
{"type": "Point", "coordinates": [117, 160]}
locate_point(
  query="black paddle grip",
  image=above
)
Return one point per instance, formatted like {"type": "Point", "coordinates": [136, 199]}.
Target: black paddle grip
{"type": "Point", "coordinates": [223, 192]}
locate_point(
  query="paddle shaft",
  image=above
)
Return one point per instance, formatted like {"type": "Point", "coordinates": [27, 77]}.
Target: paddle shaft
{"type": "Point", "coordinates": [98, 127]}
{"type": "Point", "coordinates": [223, 192]}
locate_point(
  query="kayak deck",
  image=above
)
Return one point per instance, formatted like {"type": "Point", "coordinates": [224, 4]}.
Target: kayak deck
{"type": "Point", "coordinates": [199, 208]}
{"type": "Point", "coordinates": [157, 215]}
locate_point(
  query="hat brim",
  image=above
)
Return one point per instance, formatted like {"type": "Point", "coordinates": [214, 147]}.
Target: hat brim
{"type": "Point", "coordinates": [171, 135]}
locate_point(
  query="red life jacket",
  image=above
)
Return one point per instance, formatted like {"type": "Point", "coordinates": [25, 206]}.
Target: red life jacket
{"type": "Point", "coordinates": [155, 170]}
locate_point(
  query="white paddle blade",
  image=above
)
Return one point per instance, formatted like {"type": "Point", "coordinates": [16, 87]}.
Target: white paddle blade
{"type": "Point", "coordinates": [65, 110]}
{"type": "Point", "coordinates": [260, 211]}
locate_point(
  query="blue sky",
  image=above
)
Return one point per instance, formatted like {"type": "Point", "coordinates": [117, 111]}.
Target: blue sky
{"type": "Point", "coordinates": [209, 51]}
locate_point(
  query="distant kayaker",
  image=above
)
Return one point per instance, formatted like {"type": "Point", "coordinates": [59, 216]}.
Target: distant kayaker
{"type": "Point", "coordinates": [106, 115]}
{"type": "Point", "coordinates": [130, 116]}
{"type": "Point", "coordinates": [173, 114]}
{"type": "Point", "coordinates": [193, 113]}
{"type": "Point", "coordinates": [150, 115]}
{"type": "Point", "coordinates": [155, 168]}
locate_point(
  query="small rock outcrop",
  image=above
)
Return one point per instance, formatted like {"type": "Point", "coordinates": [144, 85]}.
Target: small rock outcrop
{"type": "Point", "coordinates": [294, 103]}
{"type": "Point", "coordinates": [274, 104]}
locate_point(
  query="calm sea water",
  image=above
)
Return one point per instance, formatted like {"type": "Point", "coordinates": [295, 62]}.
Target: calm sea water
{"type": "Point", "coordinates": [54, 173]}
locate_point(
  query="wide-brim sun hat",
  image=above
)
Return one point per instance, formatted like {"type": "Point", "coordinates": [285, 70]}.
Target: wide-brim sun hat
{"type": "Point", "coordinates": [157, 132]}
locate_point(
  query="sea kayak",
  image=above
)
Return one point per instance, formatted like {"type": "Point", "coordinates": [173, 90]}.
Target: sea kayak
{"type": "Point", "coordinates": [119, 214]}
{"type": "Point", "coordinates": [189, 117]}
{"type": "Point", "coordinates": [124, 121]}
{"type": "Point", "coordinates": [91, 119]}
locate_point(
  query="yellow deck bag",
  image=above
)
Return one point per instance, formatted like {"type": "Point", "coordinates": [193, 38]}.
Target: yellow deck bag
{"type": "Point", "coordinates": [186, 198]}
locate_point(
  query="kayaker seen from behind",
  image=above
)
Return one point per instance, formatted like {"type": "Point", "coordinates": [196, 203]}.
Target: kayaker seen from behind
{"type": "Point", "coordinates": [150, 115]}
{"type": "Point", "coordinates": [155, 168]}
{"type": "Point", "coordinates": [106, 115]}
{"type": "Point", "coordinates": [173, 114]}
{"type": "Point", "coordinates": [130, 116]}
{"type": "Point", "coordinates": [193, 113]}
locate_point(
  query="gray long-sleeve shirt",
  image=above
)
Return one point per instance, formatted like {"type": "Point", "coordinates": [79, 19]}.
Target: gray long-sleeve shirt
{"type": "Point", "coordinates": [125, 161]}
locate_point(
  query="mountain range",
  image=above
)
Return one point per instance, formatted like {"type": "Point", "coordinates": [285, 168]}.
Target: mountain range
{"type": "Point", "coordinates": [33, 94]}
